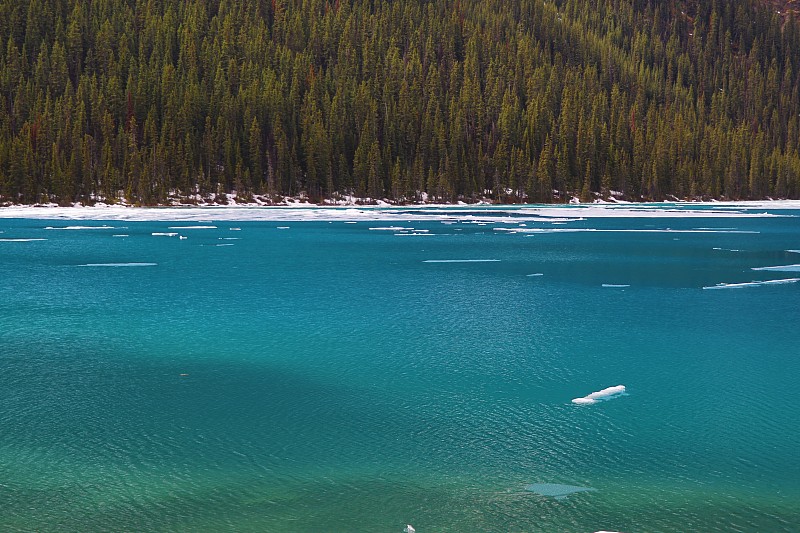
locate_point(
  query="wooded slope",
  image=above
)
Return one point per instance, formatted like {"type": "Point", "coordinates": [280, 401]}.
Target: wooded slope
{"type": "Point", "coordinates": [506, 99]}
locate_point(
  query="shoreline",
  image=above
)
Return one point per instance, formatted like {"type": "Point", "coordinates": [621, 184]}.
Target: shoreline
{"type": "Point", "coordinates": [302, 211]}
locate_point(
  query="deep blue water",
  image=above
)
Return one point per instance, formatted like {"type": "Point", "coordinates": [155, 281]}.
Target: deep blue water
{"type": "Point", "coordinates": [325, 377]}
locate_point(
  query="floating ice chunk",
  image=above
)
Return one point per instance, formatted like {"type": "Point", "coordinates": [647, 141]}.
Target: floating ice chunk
{"type": "Point", "coordinates": [601, 395]}
{"type": "Point", "coordinates": [225, 244]}
{"type": "Point", "coordinates": [192, 227]}
{"type": "Point", "coordinates": [793, 251]}
{"type": "Point", "coordinates": [163, 234]}
{"type": "Point", "coordinates": [120, 235]}
{"type": "Point", "coordinates": [615, 285]}
{"type": "Point", "coordinates": [601, 230]}
{"type": "Point", "coordinates": [21, 240]}
{"type": "Point", "coordinates": [409, 529]}
{"type": "Point", "coordinates": [753, 283]}
{"type": "Point", "coordinates": [556, 490]}
{"type": "Point", "coordinates": [535, 275]}
{"type": "Point", "coordinates": [119, 265]}
{"type": "Point", "coordinates": [79, 227]}
{"type": "Point", "coordinates": [393, 228]}
{"type": "Point", "coordinates": [235, 229]}
{"type": "Point", "coordinates": [415, 234]}
{"type": "Point", "coordinates": [780, 268]}
{"type": "Point", "coordinates": [584, 401]}
{"type": "Point", "coordinates": [282, 227]}
{"type": "Point", "coordinates": [461, 261]}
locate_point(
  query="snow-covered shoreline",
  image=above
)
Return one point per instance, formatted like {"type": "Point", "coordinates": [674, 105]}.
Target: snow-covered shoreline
{"type": "Point", "coordinates": [299, 212]}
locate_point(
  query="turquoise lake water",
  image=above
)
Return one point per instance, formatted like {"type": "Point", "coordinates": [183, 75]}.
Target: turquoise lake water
{"type": "Point", "coordinates": [330, 377]}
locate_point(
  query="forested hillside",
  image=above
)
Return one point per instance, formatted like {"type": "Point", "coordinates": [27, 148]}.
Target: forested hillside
{"type": "Point", "coordinates": [511, 100]}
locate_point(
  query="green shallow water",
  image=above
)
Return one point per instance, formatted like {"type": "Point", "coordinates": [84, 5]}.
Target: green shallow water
{"type": "Point", "coordinates": [326, 377]}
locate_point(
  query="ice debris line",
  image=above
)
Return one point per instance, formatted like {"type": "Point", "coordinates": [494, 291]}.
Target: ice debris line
{"type": "Point", "coordinates": [601, 395]}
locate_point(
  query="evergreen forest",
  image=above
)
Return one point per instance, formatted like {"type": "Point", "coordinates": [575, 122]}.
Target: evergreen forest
{"type": "Point", "coordinates": [144, 101]}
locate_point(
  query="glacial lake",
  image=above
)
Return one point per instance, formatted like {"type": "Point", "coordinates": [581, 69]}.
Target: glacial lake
{"type": "Point", "coordinates": [360, 369]}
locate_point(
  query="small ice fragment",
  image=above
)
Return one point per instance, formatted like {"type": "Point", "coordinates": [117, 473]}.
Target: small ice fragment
{"type": "Point", "coordinates": [119, 265]}
{"type": "Point", "coordinates": [235, 229]}
{"type": "Point", "coordinates": [163, 234]}
{"type": "Point", "coordinates": [182, 237]}
{"type": "Point", "coordinates": [192, 227]}
{"type": "Point", "coordinates": [604, 394]}
{"type": "Point", "coordinates": [781, 268]}
{"type": "Point", "coordinates": [21, 240]}
{"type": "Point", "coordinates": [79, 227]}
{"type": "Point", "coordinates": [534, 275]}
{"type": "Point", "coordinates": [461, 261]}
{"type": "Point", "coordinates": [409, 529]}
{"type": "Point", "coordinates": [752, 283]}
{"type": "Point", "coordinates": [283, 227]}
{"type": "Point", "coordinates": [584, 401]}
{"type": "Point", "coordinates": [613, 285]}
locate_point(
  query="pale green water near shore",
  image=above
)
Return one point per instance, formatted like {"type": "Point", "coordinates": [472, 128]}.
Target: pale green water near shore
{"type": "Point", "coordinates": [329, 377]}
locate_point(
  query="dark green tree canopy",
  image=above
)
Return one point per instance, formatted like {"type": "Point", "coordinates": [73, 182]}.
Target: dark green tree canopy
{"type": "Point", "coordinates": [514, 100]}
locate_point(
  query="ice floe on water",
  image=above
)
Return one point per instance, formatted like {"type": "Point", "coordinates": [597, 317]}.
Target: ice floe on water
{"type": "Point", "coordinates": [534, 275]}
{"type": "Point", "coordinates": [393, 228]}
{"type": "Point", "coordinates": [627, 230]}
{"type": "Point", "coordinates": [780, 268]}
{"type": "Point", "coordinates": [793, 251]}
{"type": "Point", "coordinates": [120, 235]}
{"type": "Point", "coordinates": [192, 227]}
{"type": "Point", "coordinates": [461, 261]}
{"type": "Point", "coordinates": [615, 285]}
{"type": "Point", "coordinates": [77, 228]}
{"type": "Point", "coordinates": [471, 214]}
{"type": "Point", "coordinates": [116, 265]}
{"type": "Point", "coordinates": [752, 283]}
{"type": "Point", "coordinates": [21, 240]}
{"type": "Point", "coordinates": [601, 395]}
{"type": "Point", "coordinates": [727, 249]}
{"type": "Point", "coordinates": [163, 234]}
{"type": "Point", "coordinates": [556, 490]}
